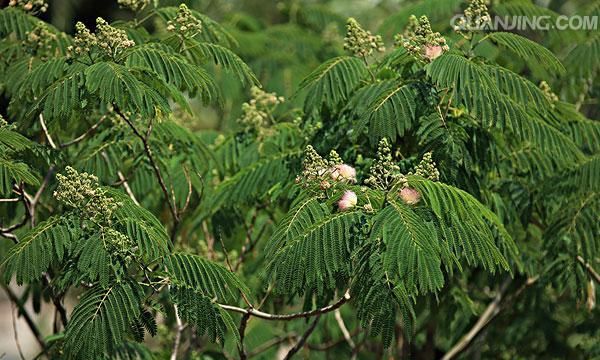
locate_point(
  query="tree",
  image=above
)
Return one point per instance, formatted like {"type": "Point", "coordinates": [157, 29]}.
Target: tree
{"type": "Point", "coordinates": [450, 181]}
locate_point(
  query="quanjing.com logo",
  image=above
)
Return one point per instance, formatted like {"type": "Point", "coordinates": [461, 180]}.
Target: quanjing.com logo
{"type": "Point", "coordinates": [518, 22]}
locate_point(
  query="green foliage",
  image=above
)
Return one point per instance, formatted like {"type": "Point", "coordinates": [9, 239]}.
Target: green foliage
{"type": "Point", "coordinates": [386, 197]}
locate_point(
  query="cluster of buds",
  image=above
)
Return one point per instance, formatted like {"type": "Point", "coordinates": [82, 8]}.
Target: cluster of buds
{"type": "Point", "coordinates": [185, 23]}
{"type": "Point", "coordinates": [384, 172]}
{"type": "Point", "coordinates": [427, 168]}
{"type": "Point", "coordinates": [256, 112]}
{"type": "Point", "coordinates": [33, 6]}
{"type": "Point", "coordinates": [110, 40]}
{"type": "Point", "coordinates": [133, 5]}
{"type": "Point", "coordinates": [82, 192]}
{"type": "Point", "coordinates": [361, 42]}
{"type": "Point", "coordinates": [550, 95]}
{"type": "Point", "coordinates": [3, 122]}
{"type": "Point", "coordinates": [118, 244]}
{"type": "Point", "coordinates": [475, 17]}
{"type": "Point", "coordinates": [40, 40]}
{"type": "Point", "coordinates": [421, 41]}
{"type": "Point", "coordinates": [321, 171]}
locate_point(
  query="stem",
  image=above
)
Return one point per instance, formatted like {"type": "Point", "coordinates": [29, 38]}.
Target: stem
{"type": "Point", "coordinates": [492, 310]}
{"type": "Point", "coordinates": [263, 315]}
{"type": "Point", "coordinates": [50, 141]}
{"type": "Point", "coordinates": [85, 134]}
{"type": "Point", "coordinates": [155, 167]}
{"type": "Point", "coordinates": [589, 268]}
{"type": "Point", "coordinates": [34, 329]}
{"type": "Point", "coordinates": [303, 339]}
{"type": "Point", "coordinates": [242, 330]}
{"type": "Point", "coordinates": [180, 328]}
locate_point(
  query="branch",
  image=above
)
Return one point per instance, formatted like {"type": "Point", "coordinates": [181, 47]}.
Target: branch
{"type": "Point", "coordinates": [242, 331]}
{"type": "Point", "coordinates": [344, 329]}
{"type": "Point", "coordinates": [50, 141]}
{"type": "Point", "coordinates": [269, 344]}
{"type": "Point", "coordinates": [589, 268]}
{"type": "Point", "coordinates": [306, 314]}
{"type": "Point", "coordinates": [85, 134]}
{"type": "Point", "coordinates": [34, 329]}
{"type": "Point", "coordinates": [303, 339]}
{"type": "Point", "coordinates": [492, 310]}
{"type": "Point", "coordinates": [122, 180]}
{"type": "Point", "coordinates": [180, 328]}
{"type": "Point", "coordinates": [155, 167]}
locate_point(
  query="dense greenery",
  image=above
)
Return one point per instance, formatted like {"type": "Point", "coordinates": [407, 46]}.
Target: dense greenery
{"type": "Point", "coordinates": [417, 195]}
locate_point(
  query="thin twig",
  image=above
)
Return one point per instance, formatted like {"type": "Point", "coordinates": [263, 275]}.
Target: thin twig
{"type": "Point", "coordinates": [492, 310]}
{"type": "Point", "coordinates": [180, 328]}
{"type": "Point", "coordinates": [302, 339]}
{"type": "Point", "coordinates": [242, 331]}
{"type": "Point", "coordinates": [344, 329]}
{"type": "Point", "coordinates": [16, 333]}
{"type": "Point", "coordinates": [9, 200]}
{"type": "Point", "coordinates": [85, 134]}
{"type": "Point", "coordinates": [269, 344]}
{"type": "Point", "coordinates": [150, 156]}
{"type": "Point", "coordinates": [263, 315]}
{"type": "Point", "coordinates": [34, 329]}
{"type": "Point", "coordinates": [122, 180]}
{"type": "Point", "coordinates": [246, 300]}
{"type": "Point", "coordinates": [50, 141]}
{"type": "Point", "coordinates": [589, 268]}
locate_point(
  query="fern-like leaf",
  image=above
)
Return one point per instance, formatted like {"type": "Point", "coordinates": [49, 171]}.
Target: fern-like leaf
{"type": "Point", "coordinates": [206, 277]}
{"type": "Point", "coordinates": [528, 50]}
{"type": "Point", "coordinates": [102, 319]}
{"type": "Point", "coordinates": [45, 244]}
{"type": "Point", "coordinates": [333, 81]}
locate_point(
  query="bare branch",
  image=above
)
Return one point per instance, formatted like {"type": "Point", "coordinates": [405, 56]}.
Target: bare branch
{"type": "Point", "coordinates": [589, 268]}
{"type": "Point", "coordinates": [179, 329]}
{"type": "Point", "coordinates": [306, 314]}
{"type": "Point", "coordinates": [28, 319]}
{"type": "Point", "coordinates": [242, 331]}
{"type": "Point", "coordinates": [85, 134]}
{"type": "Point", "coordinates": [50, 141]}
{"type": "Point", "coordinates": [150, 156]}
{"type": "Point", "coordinates": [492, 310]}
{"type": "Point", "coordinates": [343, 328]}
{"type": "Point", "coordinates": [302, 339]}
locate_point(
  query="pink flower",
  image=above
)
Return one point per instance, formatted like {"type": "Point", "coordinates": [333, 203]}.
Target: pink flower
{"type": "Point", "coordinates": [348, 200]}
{"type": "Point", "coordinates": [343, 172]}
{"type": "Point", "coordinates": [433, 51]}
{"type": "Point", "coordinates": [410, 196]}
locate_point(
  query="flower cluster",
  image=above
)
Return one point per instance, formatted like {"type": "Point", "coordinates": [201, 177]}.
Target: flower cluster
{"type": "Point", "coordinates": [427, 168]}
{"type": "Point", "coordinates": [384, 172]}
{"type": "Point", "coordinates": [118, 244]}
{"type": "Point", "coordinates": [321, 171]}
{"type": "Point", "coordinates": [108, 39]}
{"type": "Point", "coordinates": [40, 40]}
{"type": "Point", "coordinates": [421, 41]}
{"type": "Point", "coordinates": [133, 5]}
{"type": "Point", "coordinates": [550, 95]}
{"type": "Point", "coordinates": [361, 42]}
{"type": "Point", "coordinates": [81, 191]}
{"type": "Point", "coordinates": [185, 23]}
{"type": "Point", "coordinates": [33, 6]}
{"type": "Point", "coordinates": [256, 112]}
{"type": "Point", "coordinates": [3, 122]}
{"type": "Point", "coordinates": [475, 17]}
